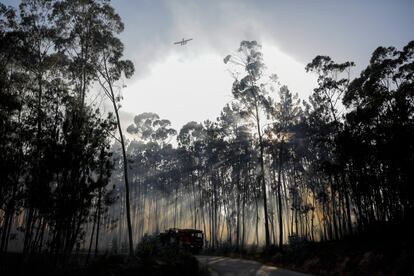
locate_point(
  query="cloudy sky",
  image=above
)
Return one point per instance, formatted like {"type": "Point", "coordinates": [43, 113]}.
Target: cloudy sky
{"type": "Point", "coordinates": [184, 83]}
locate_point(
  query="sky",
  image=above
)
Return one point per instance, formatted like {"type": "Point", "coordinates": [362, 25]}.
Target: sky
{"type": "Point", "coordinates": [191, 82]}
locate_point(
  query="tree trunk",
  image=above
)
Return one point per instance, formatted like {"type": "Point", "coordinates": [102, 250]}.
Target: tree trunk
{"type": "Point", "coordinates": [238, 214]}
{"type": "Point", "coordinates": [99, 220]}
{"type": "Point", "coordinates": [125, 161]}
{"type": "Point", "coordinates": [347, 205]}
{"type": "Point", "coordinates": [91, 238]}
{"type": "Point", "coordinates": [334, 210]}
{"type": "Point", "coordinates": [257, 222]}
{"type": "Point", "coordinates": [262, 179]}
{"type": "Point", "coordinates": [279, 184]}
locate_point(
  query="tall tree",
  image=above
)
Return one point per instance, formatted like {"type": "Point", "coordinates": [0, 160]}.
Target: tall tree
{"type": "Point", "coordinates": [377, 138]}
{"type": "Point", "coordinates": [109, 71]}
{"type": "Point", "coordinates": [95, 53]}
{"type": "Point", "coordinates": [286, 113]}
{"type": "Point", "coordinates": [333, 81]}
{"type": "Point", "coordinates": [253, 99]}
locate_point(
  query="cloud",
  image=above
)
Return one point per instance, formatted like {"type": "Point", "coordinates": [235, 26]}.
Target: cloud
{"type": "Point", "coordinates": [190, 83]}
{"type": "Point", "coordinates": [185, 83]}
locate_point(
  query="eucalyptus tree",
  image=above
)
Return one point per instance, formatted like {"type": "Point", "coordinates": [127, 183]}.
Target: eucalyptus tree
{"type": "Point", "coordinates": [31, 38]}
{"type": "Point", "coordinates": [104, 196]}
{"type": "Point", "coordinates": [236, 131]}
{"type": "Point", "coordinates": [86, 31]}
{"type": "Point", "coordinates": [59, 136]}
{"type": "Point", "coordinates": [73, 187]}
{"type": "Point", "coordinates": [156, 135]}
{"type": "Point", "coordinates": [12, 80]}
{"type": "Point", "coordinates": [35, 36]}
{"type": "Point", "coordinates": [86, 36]}
{"type": "Point", "coordinates": [252, 95]}
{"type": "Point", "coordinates": [333, 81]}
{"type": "Point", "coordinates": [214, 161]}
{"type": "Point", "coordinates": [149, 127]}
{"type": "Point", "coordinates": [95, 54]}
{"type": "Point", "coordinates": [376, 142]}
{"type": "Point", "coordinates": [286, 114]}
{"type": "Point", "coordinates": [109, 72]}
{"type": "Point", "coordinates": [191, 142]}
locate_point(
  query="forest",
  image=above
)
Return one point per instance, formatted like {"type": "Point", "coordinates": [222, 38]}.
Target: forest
{"type": "Point", "coordinates": [273, 169]}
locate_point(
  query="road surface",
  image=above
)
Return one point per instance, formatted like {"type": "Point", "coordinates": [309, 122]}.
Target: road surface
{"type": "Point", "coordinates": [222, 266]}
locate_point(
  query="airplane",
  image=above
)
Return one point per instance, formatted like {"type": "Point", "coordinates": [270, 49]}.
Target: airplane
{"type": "Point", "coordinates": [183, 42]}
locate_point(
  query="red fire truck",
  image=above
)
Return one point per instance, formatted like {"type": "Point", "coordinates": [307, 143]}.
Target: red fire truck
{"type": "Point", "coordinates": [190, 239]}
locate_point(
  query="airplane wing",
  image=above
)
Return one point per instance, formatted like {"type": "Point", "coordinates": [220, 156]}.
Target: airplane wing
{"type": "Point", "coordinates": [182, 42]}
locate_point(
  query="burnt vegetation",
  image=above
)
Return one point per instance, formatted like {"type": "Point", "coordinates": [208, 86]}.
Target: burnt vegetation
{"type": "Point", "coordinates": [273, 171]}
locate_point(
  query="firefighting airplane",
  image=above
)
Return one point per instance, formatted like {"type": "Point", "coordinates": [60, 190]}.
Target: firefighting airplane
{"type": "Point", "coordinates": [183, 42]}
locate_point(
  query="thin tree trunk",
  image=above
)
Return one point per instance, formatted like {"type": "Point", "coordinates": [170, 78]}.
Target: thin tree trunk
{"type": "Point", "coordinates": [127, 203]}
{"type": "Point", "coordinates": [333, 191]}
{"type": "Point", "coordinates": [99, 220]}
{"type": "Point", "coordinates": [347, 205]}
{"type": "Point", "coordinates": [238, 214]}
{"type": "Point", "coordinates": [262, 178]}
{"type": "Point", "coordinates": [257, 222]}
{"type": "Point", "coordinates": [91, 238]}
{"type": "Point", "coordinates": [27, 235]}
{"type": "Point", "coordinates": [6, 225]}
{"type": "Point", "coordinates": [279, 184]}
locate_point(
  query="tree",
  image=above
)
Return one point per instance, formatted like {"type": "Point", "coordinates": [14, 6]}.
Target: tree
{"type": "Point", "coordinates": [95, 53]}
{"type": "Point", "coordinates": [149, 126]}
{"type": "Point", "coordinates": [156, 134]}
{"type": "Point", "coordinates": [286, 114]}
{"type": "Point", "coordinates": [333, 81]}
{"type": "Point", "coordinates": [109, 71]}
{"type": "Point", "coordinates": [236, 132]}
{"type": "Point", "coordinates": [11, 81]}
{"type": "Point", "coordinates": [41, 61]}
{"type": "Point", "coordinates": [253, 100]}
{"type": "Point", "coordinates": [376, 141]}
{"type": "Point", "coordinates": [57, 137]}
{"type": "Point", "coordinates": [86, 33]}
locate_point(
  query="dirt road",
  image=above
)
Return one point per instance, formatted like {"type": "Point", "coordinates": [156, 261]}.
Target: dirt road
{"type": "Point", "coordinates": [223, 266]}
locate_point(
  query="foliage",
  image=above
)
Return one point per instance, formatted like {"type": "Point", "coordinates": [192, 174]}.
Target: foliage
{"type": "Point", "coordinates": [56, 144]}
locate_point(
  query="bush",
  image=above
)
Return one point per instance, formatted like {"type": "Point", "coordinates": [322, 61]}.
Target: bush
{"type": "Point", "coordinates": [149, 246]}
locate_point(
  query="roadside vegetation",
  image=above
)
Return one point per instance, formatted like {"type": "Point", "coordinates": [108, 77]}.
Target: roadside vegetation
{"type": "Point", "coordinates": [367, 253]}
{"type": "Point", "coordinates": [150, 258]}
